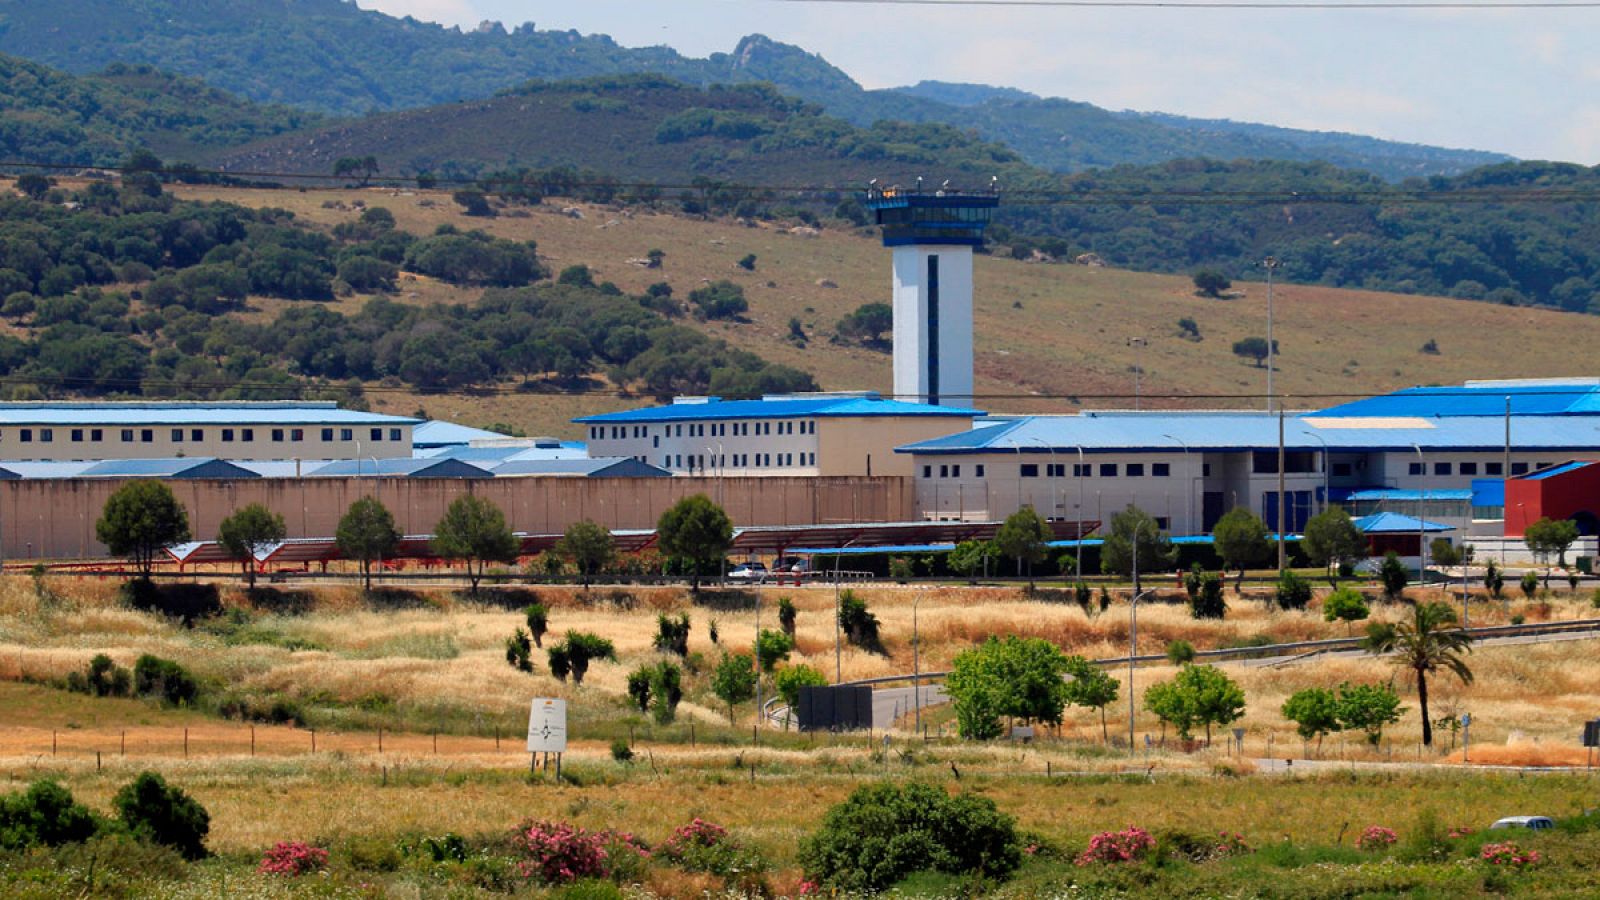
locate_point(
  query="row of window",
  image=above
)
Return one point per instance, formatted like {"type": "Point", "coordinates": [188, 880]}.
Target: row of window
{"type": "Point", "coordinates": [738, 460]}
{"type": "Point", "coordinates": [194, 435]}
{"type": "Point", "coordinates": [1469, 468]}
{"type": "Point", "coordinates": [701, 429]}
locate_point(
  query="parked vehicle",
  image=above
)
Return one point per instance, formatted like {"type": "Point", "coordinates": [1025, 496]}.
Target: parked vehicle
{"type": "Point", "coordinates": [1537, 823]}
{"type": "Point", "coordinates": [750, 573]}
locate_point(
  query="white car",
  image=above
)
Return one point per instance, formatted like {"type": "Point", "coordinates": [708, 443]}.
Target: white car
{"type": "Point", "coordinates": [751, 573]}
{"type": "Point", "coordinates": [1537, 823]}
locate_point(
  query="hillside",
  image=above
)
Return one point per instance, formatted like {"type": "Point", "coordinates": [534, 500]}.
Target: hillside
{"type": "Point", "coordinates": [1041, 328]}
{"type": "Point", "coordinates": [49, 116]}
{"type": "Point", "coordinates": [1518, 233]}
{"type": "Point", "coordinates": [331, 56]}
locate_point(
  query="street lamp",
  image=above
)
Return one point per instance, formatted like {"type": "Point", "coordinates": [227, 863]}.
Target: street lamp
{"type": "Point", "coordinates": [1138, 367]}
{"type": "Point", "coordinates": [1270, 264]}
{"type": "Point", "coordinates": [1055, 500]}
{"type": "Point", "coordinates": [1079, 555]}
{"type": "Point", "coordinates": [1326, 490]}
{"type": "Point", "coordinates": [1188, 474]}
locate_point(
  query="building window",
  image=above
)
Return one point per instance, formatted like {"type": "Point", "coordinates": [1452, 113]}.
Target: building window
{"type": "Point", "coordinates": [196, 435]}
{"type": "Point", "coordinates": [927, 471]}
{"type": "Point", "coordinates": [327, 434]}
{"type": "Point", "coordinates": [1163, 523]}
{"type": "Point", "coordinates": [944, 471]}
{"type": "Point", "coordinates": [979, 467]}
{"type": "Point", "coordinates": [1441, 468]}
{"type": "Point", "coordinates": [656, 441]}
{"type": "Point", "coordinates": [1160, 470]}
{"type": "Point", "coordinates": [666, 462]}
{"type": "Point", "coordinates": [147, 435]}
{"type": "Point", "coordinates": [127, 435]}
{"type": "Point", "coordinates": [1135, 470]}
{"type": "Point", "coordinates": [46, 435]}
{"type": "Point", "coordinates": [1205, 470]}
{"type": "Point", "coordinates": [227, 435]}
{"type": "Point", "coordinates": [27, 435]}
{"type": "Point", "coordinates": [1469, 468]}
{"type": "Point", "coordinates": [296, 435]}
{"type": "Point", "coordinates": [1341, 470]}
{"type": "Point", "coordinates": [177, 435]}
{"type": "Point", "coordinates": [1415, 468]}
{"type": "Point", "coordinates": [1519, 469]}
{"type": "Point", "coordinates": [77, 435]}
{"type": "Point", "coordinates": [1080, 470]}
{"type": "Point", "coordinates": [247, 434]}
{"type": "Point", "coordinates": [1108, 470]}
{"type": "Point", "coordinates": [96, 435]}
{"type": "Point", "coordinates": [277, 435]}
{"type": "Point", "coordinates": [347, 434]}
{"type": "Point", "coordinates": [1030, 470]}
{"type": "Point", "coordinates": [376, 435]}
{"type": "Point", "coordinates": [1494, 469]}
{"type": "Point", "coordinates": [394, 434]}
{"type": "Point", "coordinates": [955, 471]}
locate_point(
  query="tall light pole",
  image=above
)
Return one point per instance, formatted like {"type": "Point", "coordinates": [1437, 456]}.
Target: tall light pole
{"type": "Point", "coordinates": [916, 663]}
{"type": "Point", "coordinates": [1188, 474]}
{"type": "Point", "coordinates": [1078, 557]}
{"type": "Point", "coordinates": [1270, 264]}
{"type": "Point", "coordinates": [1282, 523]}
{"type": "Point", "coordinates": [1422, 509]}
{"type": "Point", "coordinates": [1055, 499]}
{"type": "Point", "coordinates": [1326, 484]}
{"type": "Point", "coordinates": [1137, 344]}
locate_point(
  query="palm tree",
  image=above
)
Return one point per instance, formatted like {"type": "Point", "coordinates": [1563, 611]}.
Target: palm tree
{"type": "Point", "coordinates": [1426, 643]}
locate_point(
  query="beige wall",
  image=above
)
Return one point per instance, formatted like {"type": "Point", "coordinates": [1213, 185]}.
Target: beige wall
{"type": "Point", "coordinates": [54, 519]}
{"type": "Point", "coordinates": [61, 446]}
{"type": "Point", "coordinates": [846, 443]}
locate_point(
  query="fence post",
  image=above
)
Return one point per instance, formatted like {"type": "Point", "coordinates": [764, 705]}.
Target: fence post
{"type": "Point", "coordinates": [186, 742]}
{"type": "Point", "coordinates": [252, 739]}
{"type": "Point", "coordinates": [52, 742]}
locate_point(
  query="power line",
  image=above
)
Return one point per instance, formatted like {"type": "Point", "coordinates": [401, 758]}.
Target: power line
{"type": "Point", "coordinates": [1023, 196]}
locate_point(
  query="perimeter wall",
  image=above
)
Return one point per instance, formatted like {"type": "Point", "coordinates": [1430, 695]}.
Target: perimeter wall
{"type": "Point", "coordinates": [55, 518]}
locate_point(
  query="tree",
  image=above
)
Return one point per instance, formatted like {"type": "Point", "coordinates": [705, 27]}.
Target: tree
{"type": "Point", "coordinates": [249, 532]}
{"type": "Point", "coordinates": [1240, 538]}
{"type": "Point", "coordinates": [791, 679]}
{"type": "Point", "coordinates": [773, 647]}
{"type": "Point", "coordinates": [971, 557]}
{"type": "Point", "coordinates": [1494, 580]}
{"type": "Point", "coordinates": [734, 680]}
{"type": "Point", "coordinates": [1014, 676]}
{"type": "Point", "coordinates": [1209, 602]}
{"type": "Point", "coordinates": [1443, 553]}
{"type": "Point", "coordinates": [666, 690]}
{"type": "Point", "coordinates": [519, 651]}
{"type": "Point", "coordinates": [1023, 537]}
{"type": "Point", "coordinates": [1394, 576]}
{"type": "Point", "coordinates": [1254, 348]}
{"type": "Point", "coordinates": [696, 531]}
{"type": "Point", "coordinates": [363, 167]}
{"type": "Point", "coordinates": [1331, 539]}
{"type": "Point", "coordinates": [720, 300]}
{"type": "Point", "coordinates": [1315, 712]}
{"type": "Point", "coordinates": [1091, 687]}
{"type": "Point", "coordinates": [1199, 695]}
{"type": "Point", "coordinates": [1425, 644]}
{"type": "Point", "coordinates": [1550, 537]}
{"type": "Point", "coordinates": [867, 323]}
{"type": "Point", "coordinates": [859, 625]}
{"type": "Point", "coordinates": [34, 186]}
{"type": "Point", "coordinates": [748, 262]}
{"type": "Point", "coordinates": [786, 615]}
{"type": "Point", "coordinates": [367, 534]}
{"type": "Point", "coordinates": [1211, 283]}
{"type": "Point", "coordinates": [672, 634]}
{"type": "Point", "coordinates": [474, 530]}
{"type": "Point", "coordinates": [538, 618]}
{"type": "Point", "coordinates": [156, 812]}
{"type": "Point", "coordinates": [1133, 529]}
{"type": "Point", "coordinates": [639, 687]}
{"type": "Point", "coordinates": [1367, 708]}
{"type": "Point", "coordinates": [473, 203]}
{"type": "Point", "coordinates": [139, 521]}
{"type": "Point", "coordinates": [1345, 605]}
{"type": "Point", "coordinates": [1180, 652]}
{"type": "Point", "coordinates": [589, 546]}
{"type": "Point", "coordinates": [576, 651]}
{"type": "Point", "coordinates": [1293, 592]}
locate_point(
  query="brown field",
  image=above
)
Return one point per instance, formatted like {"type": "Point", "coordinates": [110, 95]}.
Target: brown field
{"type": "Point", "coordinates": [1051, 329]}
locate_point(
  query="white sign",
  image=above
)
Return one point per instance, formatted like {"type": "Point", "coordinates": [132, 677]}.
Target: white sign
{"type": "Point", "coordinates": [547, 726]}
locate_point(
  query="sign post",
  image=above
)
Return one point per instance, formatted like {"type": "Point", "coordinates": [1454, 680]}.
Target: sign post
{"type": "Point", "coordinates": [547, 728]}
{"type": "Point", "coordinates": [1466, 738]}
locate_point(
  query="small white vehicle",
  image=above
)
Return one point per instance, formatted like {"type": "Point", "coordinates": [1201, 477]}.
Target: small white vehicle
{"type": "Point", "coordinates": [749, 573]}
{"type": "Point", "coordinates": [1537, 823]}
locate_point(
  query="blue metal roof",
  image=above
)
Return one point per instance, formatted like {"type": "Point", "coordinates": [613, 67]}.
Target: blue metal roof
{"type": "Point", "coordinates": [444, 434]}
{"type": "Point", "coordinates": [1356, 495]}
{"type": "Point", "coordinates": [1488, 492]}
{"type": "Point", "coordinates": [1484, 398]}
{"type": "Point", "coordinates": [1395, 523]}
{"type": "Point", "coordinates": [1557, 470]}
{"type": "Point", "coordinates": [603, 467]}
{"type": "Point", "coordinates": [146, 413]}
{"type": "Point", "coordinates": [1236, 431]}
{"type": "Point", "coordinates": [402, 467]}
{"type": "Point", "coordinates": [509, 452]}
{"type": "Point", "coordinates": [776, 408]}
{"type": "Point", "coordinates": [178, 467]}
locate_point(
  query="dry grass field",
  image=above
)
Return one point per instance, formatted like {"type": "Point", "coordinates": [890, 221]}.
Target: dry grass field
{"type": "Point", "coordinates": [434, 679]}
{"type": "Point", "coordinates": [1059, 330]}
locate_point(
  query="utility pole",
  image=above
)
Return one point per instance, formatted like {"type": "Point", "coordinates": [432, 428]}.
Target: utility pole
{"type": "Point", "coordinates": [1282, 522]}
{"type": "Point", "coordinates": [1137, 344]}
{"type": "Point", "coordinates": [1270, 263]}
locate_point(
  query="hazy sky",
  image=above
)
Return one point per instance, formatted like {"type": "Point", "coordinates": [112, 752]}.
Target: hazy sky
{"type": "Point", "coordinates": [1515, 81]}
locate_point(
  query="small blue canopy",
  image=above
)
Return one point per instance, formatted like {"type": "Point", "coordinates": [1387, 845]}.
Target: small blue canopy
{"type": "Point", "coordinates": [1395, 523]}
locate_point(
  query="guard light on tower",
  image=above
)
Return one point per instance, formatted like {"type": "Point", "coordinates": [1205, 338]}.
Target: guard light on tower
{"type": "Point", "coordinates": [933, 235]}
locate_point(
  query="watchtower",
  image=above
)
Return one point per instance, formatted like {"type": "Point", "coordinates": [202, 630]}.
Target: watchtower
{"type": "Point", "coordinates": [933, 234]}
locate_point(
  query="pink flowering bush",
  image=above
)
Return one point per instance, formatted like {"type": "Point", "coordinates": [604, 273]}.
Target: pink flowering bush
{"type": "Point", "coordinates": [1128, 845]}
{"type": "Point", "coordinates": [1230, 844]}
{"type": "Point", "coordinates": [558, 852]}
{"type": "Point", "coordinates": [1508, 855]}
{"type": "Point", "coordinates": [292, 859]}
{"type": "Point", "coordinates": [698, 833]}
{"type": "Point", "coordinates": [1377, 838]}
{"type": "Point", "coordinates": [1461, 832]}
{"type": "Point", "coordinates": [702, 846]}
